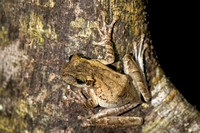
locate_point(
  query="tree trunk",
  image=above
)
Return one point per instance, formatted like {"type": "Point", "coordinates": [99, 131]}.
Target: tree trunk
{"type": "Point", "coordinates": [37, 38]}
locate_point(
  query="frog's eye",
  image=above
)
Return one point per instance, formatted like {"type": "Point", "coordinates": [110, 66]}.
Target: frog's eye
{"type": "Point", "coordinates": [79, 81]}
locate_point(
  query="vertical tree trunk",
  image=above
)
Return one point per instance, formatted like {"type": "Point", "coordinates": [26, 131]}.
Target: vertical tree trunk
{"type": "Point", "coordinates": [36, 39]}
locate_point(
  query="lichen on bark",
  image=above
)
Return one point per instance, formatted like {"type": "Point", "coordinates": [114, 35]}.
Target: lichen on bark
{"type": "Point", "coordinates": [32, 25]}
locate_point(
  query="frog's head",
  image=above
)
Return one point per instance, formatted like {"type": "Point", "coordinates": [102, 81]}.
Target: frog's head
{"type": "Point", "coordinates": [77, 72]}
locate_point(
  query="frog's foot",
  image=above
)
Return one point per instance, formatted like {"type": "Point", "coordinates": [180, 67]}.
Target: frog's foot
{"type": "Point", "coordinates": [77, 96]}
{"type": "Point", "coordinates": [139, 52]}
{"type": "Point", "coordinates": [72, 95]}
{"type": "Point", "coordinates": [106, 30]}
{"type": "Point", "coordinates": [85, 119]}
{"type": "Point", "coordinates": [85, 122]}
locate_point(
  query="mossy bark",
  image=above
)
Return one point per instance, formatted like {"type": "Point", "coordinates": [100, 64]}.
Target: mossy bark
{"type": "Point", "coordinates": [36, 39]}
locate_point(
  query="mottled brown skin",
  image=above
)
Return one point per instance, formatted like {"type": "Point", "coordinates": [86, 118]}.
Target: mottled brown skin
{"type": "Point", "coordinates": [105, 87]}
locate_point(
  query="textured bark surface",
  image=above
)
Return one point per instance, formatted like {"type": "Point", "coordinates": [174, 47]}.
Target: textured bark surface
{"type": "Point", "coordinates": [36, 39]}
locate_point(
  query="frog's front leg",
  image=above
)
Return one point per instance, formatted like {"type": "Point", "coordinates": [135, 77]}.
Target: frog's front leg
{"type": "Point", "coordinates": [106, 34]}
{"type": "Point", "coordinates": [92, 101]}
{"type": "Point", "coordinates": [79, 97]}
{"type": "Point", "coordinates": [109, 117]}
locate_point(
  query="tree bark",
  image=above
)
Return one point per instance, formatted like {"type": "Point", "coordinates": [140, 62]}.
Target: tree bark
{"type": "Point", "coordinates": [37, 38]}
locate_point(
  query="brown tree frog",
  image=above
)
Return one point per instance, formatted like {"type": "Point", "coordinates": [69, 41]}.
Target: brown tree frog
{"type": "Point", "coordinates": [114, 91]}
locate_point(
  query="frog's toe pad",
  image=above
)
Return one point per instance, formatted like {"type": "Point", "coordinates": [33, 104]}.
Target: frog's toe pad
{"type": "Point", "coordinates": [86, 123]}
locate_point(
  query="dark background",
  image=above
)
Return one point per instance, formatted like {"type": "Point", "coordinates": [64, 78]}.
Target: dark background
{"type": "Point", "coordinates": [175, 34]}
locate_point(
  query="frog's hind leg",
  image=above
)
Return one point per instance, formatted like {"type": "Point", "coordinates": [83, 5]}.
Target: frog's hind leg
{"type": "Point", "coordinates": [109, 117]}
{"type": "Point", "coordinates": [131, 68]}
{"type": "Point", "coordinates": [115, 121]}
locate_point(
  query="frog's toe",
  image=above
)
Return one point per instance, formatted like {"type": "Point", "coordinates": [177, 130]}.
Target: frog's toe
{"type": "Point", "coordinates": [80, 117]}
{"type": "Point", "coordinates": [83, 118]}
{"type": "Point", "coordinates": [86, 123]}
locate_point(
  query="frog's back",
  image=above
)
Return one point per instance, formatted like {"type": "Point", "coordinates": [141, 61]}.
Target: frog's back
{"type": "Point", "coordinates": [113, 89]}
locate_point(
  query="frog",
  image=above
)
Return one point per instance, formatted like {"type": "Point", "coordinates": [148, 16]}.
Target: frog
{"type": "Point", "coordinates": [99, 85]}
